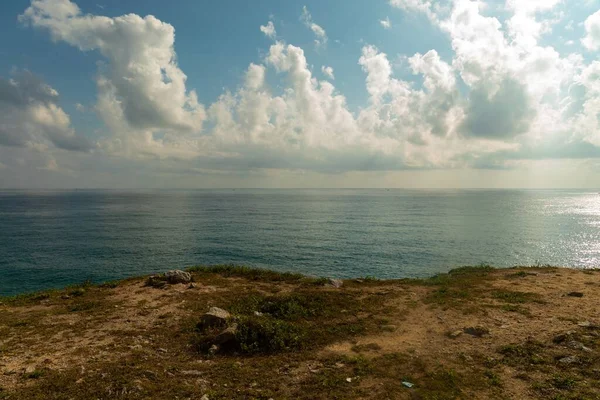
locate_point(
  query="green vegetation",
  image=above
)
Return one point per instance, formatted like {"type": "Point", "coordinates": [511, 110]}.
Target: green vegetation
{"type": "Point", "coordinates": [256, 274]}
{"type": "Point", "coordinates": [304, 319]}
{"type": "Point", "coordinates": [513, 297]}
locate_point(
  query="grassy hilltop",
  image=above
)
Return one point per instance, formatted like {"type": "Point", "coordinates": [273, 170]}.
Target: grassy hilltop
{"type": "Point", "coordinates": [474, 333]}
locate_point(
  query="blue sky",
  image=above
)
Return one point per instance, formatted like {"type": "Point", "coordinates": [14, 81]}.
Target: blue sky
{"type": "Point", "coordinates": [454, 93]}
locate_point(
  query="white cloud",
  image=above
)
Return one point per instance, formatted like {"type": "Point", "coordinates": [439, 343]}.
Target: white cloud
{"type": "Point", "coordinates": [80, 107]}
{"type": "Point", "coordinates": [434, 10]}
{"type": "Point", "coordinates": [592, 28]}
{"type": "Point", "coordinates": [321, 35]}
{"type": "Point", "coordinates": [269, 30]}
{"type": "Point", "coordinates": [386, 23]}
{"type": "Point", "coordinates": [412, 5]}
{"type": "Point", "coordinates": [31, 117]}
{"type": "Point", "coordinates": [142, 75]}
{"type": "Point", "coordinates": [328, 72]}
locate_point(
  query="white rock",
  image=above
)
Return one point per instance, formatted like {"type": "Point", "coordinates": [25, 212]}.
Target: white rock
{"type": "Point", "coordinates": [178, 276]}
{"type": "Point", "coordinates": [215, 317]}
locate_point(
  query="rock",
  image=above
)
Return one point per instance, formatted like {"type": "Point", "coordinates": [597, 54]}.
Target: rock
{"type": "Point", "coordinates": [227, 336]}
{"type": "Point", "coordinates": [563, 337]}
{"type": "Point", "coordinates": [157, 282]}
{"type": "Point", "coordinates": [161, 350]}
{"type": "Point", "coordinates": [215, 317]}
{"type": "Point", "coordinates": [569, 360]}
{"type": "Point", "coordinates": [258, 313]}
{"type": "Point", "coordinates": [349, 380]}
{"type": "Point", "coordinates": [573, 344]}
{"type": "Point", "coordinates": [585, 324]}
{"type": "Point", "coordinates": [214, 349]}
{"type": "Point", "coordinates": [575, 294]}
{"type": "Point", "coordinates": [205, 397]}
{"type": "Point", "coordinates": [65, 297]}
{"type": "Point", "coordinates": [191, 286]}
{"type": "Point", "coordinates": [178, 276]}
{"type": "Point", "coordinates": [192, 373]}
{"type": "Point", "coordinates": [336, 283]}
{"type": "Point", "coordinates": [388, 328]}
{"type": "Point", "coordinates": [477, 331]}
{"type": "Point", "coordinates": [455, 334]}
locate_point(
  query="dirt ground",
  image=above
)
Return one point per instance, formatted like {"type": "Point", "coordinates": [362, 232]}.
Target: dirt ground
{"type": "Point", "coordinates": [527, 333]}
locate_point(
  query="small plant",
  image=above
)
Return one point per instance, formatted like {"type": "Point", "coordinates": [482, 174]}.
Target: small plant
{"type": "Point", "coordinates": [528, 353]}
{"type": "Point", "coordinates": [359, 348]}
{"type": "Point", "coordinates": [36, 374]}
{"type": "Point", "coordinates": [516, 309]}
{"type": "Point", "coordinates": [563, 382]}
{"type": "Point", "coordinates": [77, 292]}
{"type": "Point", "coordinates": [494, 379]}
{"type": "Point", "coordinates": [84, 306]}
{"type": "Point", "coordinates": [110, 284]}
{"type": "Point", "coordinates": [267, 335]}
{"type": "Point", "coordinates": [370, 278]}
{"type": "Point", "coordinates": [513, 297]}
{"type": "Point", "coordinates": [249, 273]}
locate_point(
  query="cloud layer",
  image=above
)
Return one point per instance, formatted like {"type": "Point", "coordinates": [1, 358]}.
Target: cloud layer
{"type": "Point", "coordinates": [502, 98]}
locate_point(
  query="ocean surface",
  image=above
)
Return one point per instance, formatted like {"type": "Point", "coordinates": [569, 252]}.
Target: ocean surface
{"type": "Point", "coordinates": [54, 238]}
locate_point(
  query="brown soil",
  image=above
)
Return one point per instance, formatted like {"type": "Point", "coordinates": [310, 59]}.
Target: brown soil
{"type": "Point", "coordinates": [137, 342]}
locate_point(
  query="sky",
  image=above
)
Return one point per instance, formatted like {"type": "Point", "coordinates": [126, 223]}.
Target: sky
{"type": "Point", "coordinates": [337, 93]}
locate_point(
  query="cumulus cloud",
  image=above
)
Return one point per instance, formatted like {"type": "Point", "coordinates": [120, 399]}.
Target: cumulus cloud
{"type": "Point", "coordinates": [320, 34]}
{"type": "Point", "coordinates": [592, 29]}
{"type": "Point", "coordinates": [31, 117]}
{"type": "Point", "coordinates": [142, 76]}
{"type": "Point", "coordinates": [328, 72]}
{"type": "Point", "coordinates": [500, 96]}
{"type": "Point", "coordinates": [386, 23]}
{"type": "Point", "coordinates": [269, 30]}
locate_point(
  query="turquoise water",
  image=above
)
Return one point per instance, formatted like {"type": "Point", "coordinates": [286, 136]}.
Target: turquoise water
{"type": "Point", "coordinates": [54, 238]}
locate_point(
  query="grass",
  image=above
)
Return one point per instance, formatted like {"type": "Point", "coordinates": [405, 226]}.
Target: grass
{"type": "Point", "coordinates": [256, 274]}
{"type": "Point", "coordinates": [516, 309]}
{"type": "Point", "coordinates": [528, 353]}
{"type": "Point", "coordinates": [268, 335]}
{"type": "Point", "coordinates": [457, 288]}
{"type": "Point", "coordinates": [305, 319]}
{"type": "Point", "coordinates": [515, 297]}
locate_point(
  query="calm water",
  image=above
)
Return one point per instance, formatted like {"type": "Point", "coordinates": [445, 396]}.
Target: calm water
{"type": "Point", "coordinates": [54, 238]}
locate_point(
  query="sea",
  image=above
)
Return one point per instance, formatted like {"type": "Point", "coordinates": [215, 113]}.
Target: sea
{"type": "Point", "coordinates": [49, 239]}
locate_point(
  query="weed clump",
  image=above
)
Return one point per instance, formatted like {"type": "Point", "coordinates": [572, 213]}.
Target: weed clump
{"type": "Point", "coordinates": [268, 335]}
{"type": "Point", "coordinates": [512, 297]}
{"type": "Point", "coordinates": [305, 319]}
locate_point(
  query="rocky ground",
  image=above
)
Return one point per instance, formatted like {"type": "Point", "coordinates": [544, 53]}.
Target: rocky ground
{"type": "Point", "coordinates": [238, 333]}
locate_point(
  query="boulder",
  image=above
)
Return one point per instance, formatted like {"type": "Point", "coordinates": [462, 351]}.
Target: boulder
{"type": "Point", "coordinates": [455, 334]}
{"type": "Point", "coordinates": [178, 276]}
{"type": "Point", "coordinates": [214, 349]}
{"type": "Point", "coordinates": [157, 282]}
{"type": "Point", "coordinates": [227, 336]}
{"type": "Point", "coordinates": [215, 317]}
{"type": "Point", "coordinates": [477, 331]}
{"type": "Point", "coordinates": [575, 345]}
{"type": "Point", "coordinates": [569, 360]}
{"type": "Point", "coordinates": [336, 283]}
